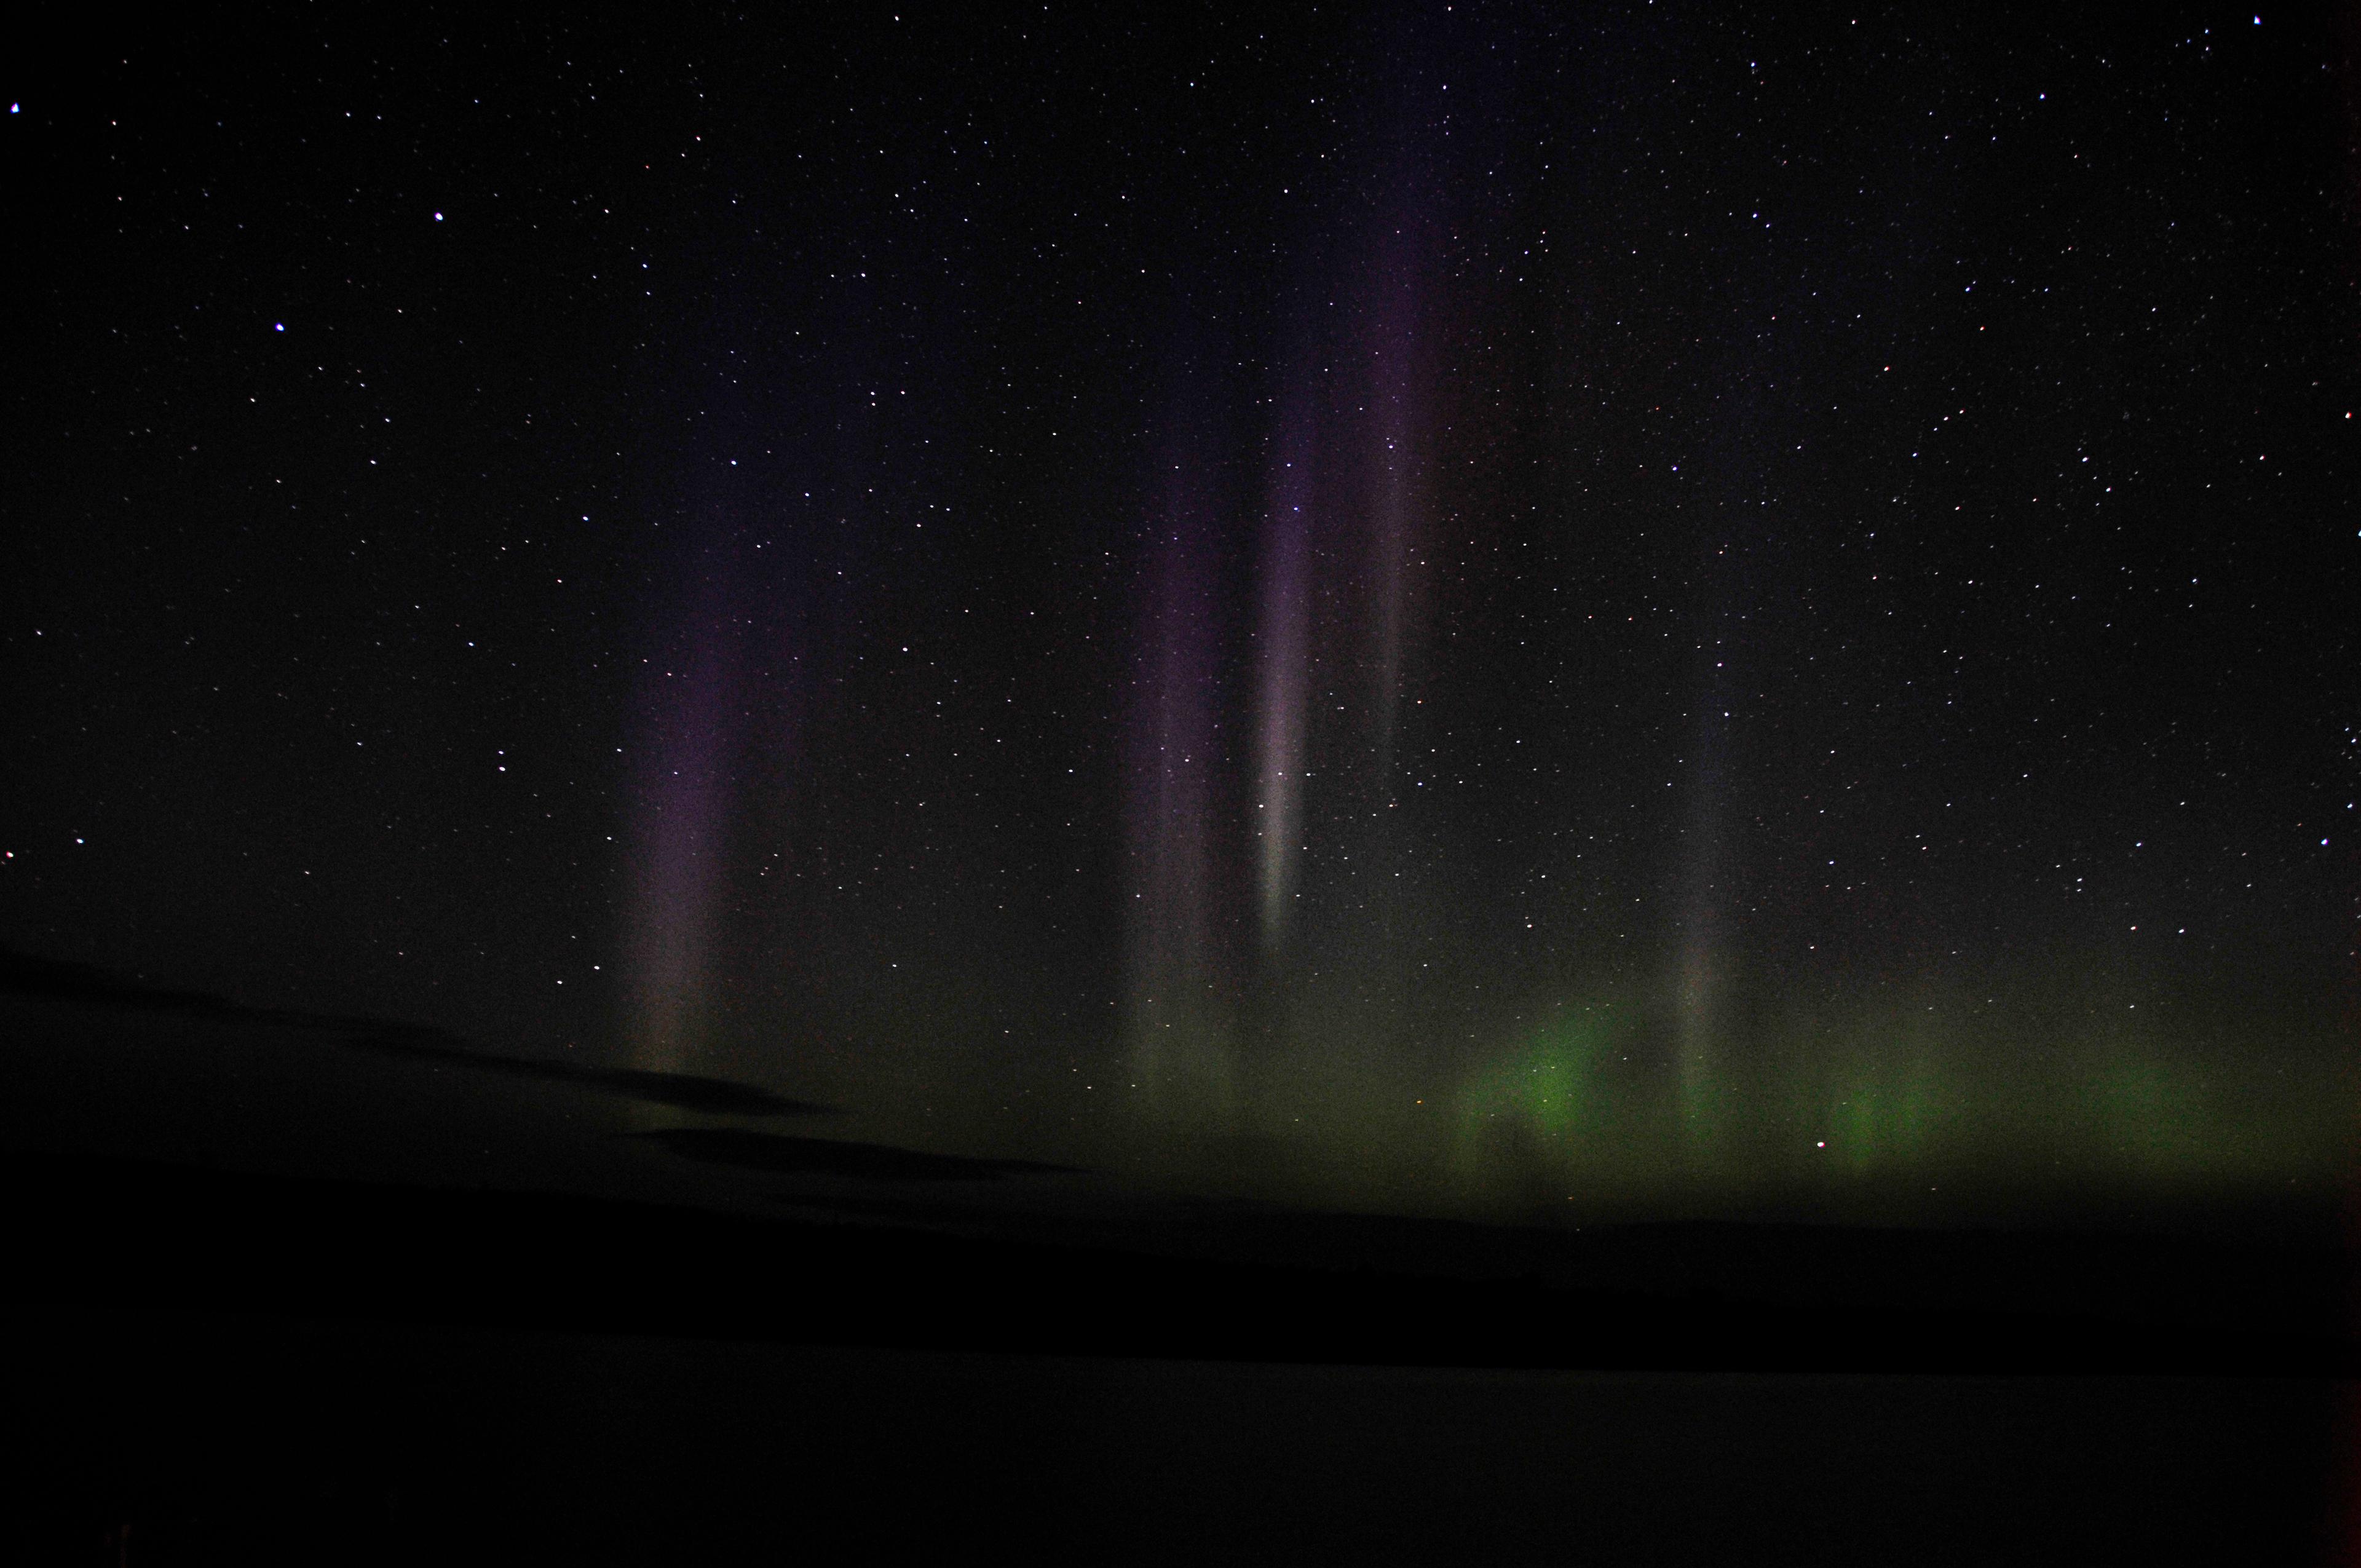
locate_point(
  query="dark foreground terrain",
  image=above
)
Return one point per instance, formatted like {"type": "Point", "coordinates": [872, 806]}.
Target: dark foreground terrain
{"type": "Point", "coordinates": [217, 1368]}
{"type": "Point", "coordinates": [291, 1289]}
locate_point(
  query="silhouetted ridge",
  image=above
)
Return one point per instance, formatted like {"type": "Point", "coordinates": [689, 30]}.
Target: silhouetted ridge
{"type": "Point", "coordinates": [90, 986]}
{"type": "Point", "coordinates": [830, 1156]}
{"type": "Point", "coordinates": [113, 1233]}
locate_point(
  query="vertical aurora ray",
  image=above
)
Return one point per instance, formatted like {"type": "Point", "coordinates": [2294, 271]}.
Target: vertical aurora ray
{"type": "Point", "coordinates": [690, 694]}
{"type": "Point", "coordinates": [718, 694]}
{"type": "Point", "coordinates": [1285, 634]}
{"type": "Point", "coordinates": [1400, 383]}
{"type": "Point", "coordinates": [1396, 383]}
{"type": "Point", "coordinates": [1706, 880]}
{"type": "Point", "coordinates": [1701, 893]}
{"type": "Point", "coordinates": [1176, 1024]}
{"type": "Point", "coordinates": [1701, 938]}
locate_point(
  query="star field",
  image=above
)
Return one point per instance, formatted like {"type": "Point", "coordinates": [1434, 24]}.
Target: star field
{"type": "Point", "coordinates": [1439, 607]}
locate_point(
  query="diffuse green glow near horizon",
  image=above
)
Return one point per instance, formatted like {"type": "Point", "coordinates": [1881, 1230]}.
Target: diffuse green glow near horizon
{"type": "Point", "coordinates": [1885, 1116]}
{"type": "Point", "coordinates": [1545, 1091]}
{"type": "Point", "coordinates": [1907, 1090]}
{"type": "Point", "coordinates": [1361, 1079]}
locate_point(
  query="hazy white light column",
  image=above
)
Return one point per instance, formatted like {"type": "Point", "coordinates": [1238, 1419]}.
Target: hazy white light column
{"type": "Point", "coordinates": [1286, 684]}
{"type": "Point", "coordinates": [684, 819]}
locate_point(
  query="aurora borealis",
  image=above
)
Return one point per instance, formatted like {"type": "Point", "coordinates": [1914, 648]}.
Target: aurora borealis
{"type": "Point", "coordinates": [1498, 610]}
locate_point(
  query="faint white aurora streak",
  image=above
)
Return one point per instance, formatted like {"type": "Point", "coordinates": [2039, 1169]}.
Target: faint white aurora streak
{"type": "Point", "coordinates": [1286, 673]}
{"type": "Point", "coordinates": [1703, 869]}
{"type": "Point", "coordinates": [685, 798]}
{"type": "Point", "coordinates": [1395, 403]}
{"type": "Point", "coordinates": [1697, 1009]}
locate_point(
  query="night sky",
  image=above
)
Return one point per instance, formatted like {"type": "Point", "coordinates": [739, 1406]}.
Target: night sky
{"type": "Point", "coordinates": [1433, 608]}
